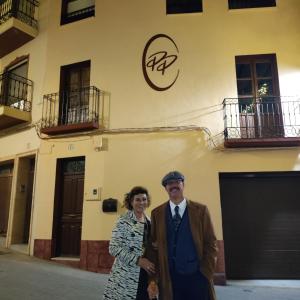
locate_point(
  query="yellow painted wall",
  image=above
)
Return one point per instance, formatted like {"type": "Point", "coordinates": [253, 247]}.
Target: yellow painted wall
{"type": "Point", "coordinates": [13, 142]}
{"type": "Point", "coordinates": [143, 159]}
{"type": "Point", "coordinates": [114, 41]}
{"type": "Point", "coordinates": [208, 43]}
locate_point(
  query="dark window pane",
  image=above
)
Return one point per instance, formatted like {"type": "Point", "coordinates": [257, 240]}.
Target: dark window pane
{"type": "Point", "coordinates": [233, 4]}
{"type": "Point", "coordinates": [6, 169]}
{"type": "Point", "coordinates": [243, 71]}
{"type": "Point", "coordinates": [264, 87]}
{"type": "Point", "coordinates": [72, 166]}
{"type": "Point", "coordinates": [246, 105]}
{"type": "Point", "coordinates": [244, 87]}
{"type": "Point", "coordinates": [183, 6]}
{"type": "Point", "coordinates": [269, 105]}
{"type": "Point", "coordinates": [263, 70]}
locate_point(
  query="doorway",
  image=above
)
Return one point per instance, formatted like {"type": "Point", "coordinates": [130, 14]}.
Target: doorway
{"type": "Point", "coordinates": [20, 234]}
{"type": "Point", "coordinates": [6, 175]}
{"type": "Point", "coordinates": [74, 93]}
{"type": "Point", "coordinates": [68, 207]}
{"type": "Point", "coordinates": [259, 103]}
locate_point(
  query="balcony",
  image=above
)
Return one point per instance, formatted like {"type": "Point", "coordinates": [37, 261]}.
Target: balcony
{"type": "Point", "coordinates": [15, 100]}
{"type": "Point", "coordinates": [18, 24]}
{"type": "Point", "coordinates": [72, 111]}
{"type": "Point", "coordinates": [261, 122]}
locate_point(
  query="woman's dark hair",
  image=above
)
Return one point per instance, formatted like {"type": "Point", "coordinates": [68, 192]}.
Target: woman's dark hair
{"type": "Point", "coordinates": [135, 191]}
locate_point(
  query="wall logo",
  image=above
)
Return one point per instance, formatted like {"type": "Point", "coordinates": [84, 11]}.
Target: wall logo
{"type": "Point", "coordinates": [160, 62]}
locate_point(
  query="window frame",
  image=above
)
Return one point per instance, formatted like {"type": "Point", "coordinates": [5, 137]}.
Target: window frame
{"type": "Point", "coordinates": [183, 8]}
{"type": "Point", "coordinates": [66, 18]}
{"type": "Point", "coordinates": [65, 91]}
{"type": "Point", "coordinates": [246, 4]}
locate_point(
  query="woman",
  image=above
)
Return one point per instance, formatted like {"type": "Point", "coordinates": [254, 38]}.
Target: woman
{"type": "Point", "coordinates": [129, 275]}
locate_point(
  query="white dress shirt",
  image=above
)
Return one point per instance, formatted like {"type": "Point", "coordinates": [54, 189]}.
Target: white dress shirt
{"type": "Point", "coordinates": [181, 205]}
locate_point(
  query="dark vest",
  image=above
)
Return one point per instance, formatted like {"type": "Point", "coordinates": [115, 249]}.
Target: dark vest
{"type": "Point", "coordinates": [182, 253]}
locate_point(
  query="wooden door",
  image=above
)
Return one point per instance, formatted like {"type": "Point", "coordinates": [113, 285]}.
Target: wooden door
{"type": "Point", "coordinates": [261, 225]}
{"type": "Point", "coordinates": [258, 92]}
{"type": "Point", "coordinates": [70, 216]}
{"type": "Point", "coordinates": [5, 193]}
{"type": "Point", "coordinates": [75, 81]}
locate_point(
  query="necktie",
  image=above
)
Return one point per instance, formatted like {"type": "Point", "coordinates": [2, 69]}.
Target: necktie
{"type": "Point", "coordinates": [176, 218]}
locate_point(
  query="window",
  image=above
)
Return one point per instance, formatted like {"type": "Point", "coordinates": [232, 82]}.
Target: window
{"type": "Point", "coordinates": [75, 93]}
{"type": "Point", "coordinates": [183, 6]}
{"type": "Point", "coordinates": [14, 88]}
{"type": "Point", "coordinates": [258, 96]}
{"type": "Point", "coordinates": [235, 4]}
{"type": "Point", "coordinates": [74, 10]}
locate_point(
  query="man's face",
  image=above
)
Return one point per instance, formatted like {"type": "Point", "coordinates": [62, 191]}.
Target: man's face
{"type": "Point", "coordinates": [175, 189]}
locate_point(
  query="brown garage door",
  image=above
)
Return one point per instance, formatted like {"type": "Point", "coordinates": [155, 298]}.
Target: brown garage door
{"type": "Point", "coordinates": [261, 224]}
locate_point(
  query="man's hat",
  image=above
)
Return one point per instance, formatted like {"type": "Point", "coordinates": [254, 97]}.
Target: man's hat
{"type": "Point", "coordinates": [174, 175]}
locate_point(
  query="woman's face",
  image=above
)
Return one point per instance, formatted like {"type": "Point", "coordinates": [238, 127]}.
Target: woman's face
{"type": "Point", "coordinates": [139, 203]}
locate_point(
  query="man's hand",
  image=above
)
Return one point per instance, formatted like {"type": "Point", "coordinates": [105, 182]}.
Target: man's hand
{"type": "Point", "coordinates": [152, 290]}
{"type": "Point", "coordinates": [147, 265]}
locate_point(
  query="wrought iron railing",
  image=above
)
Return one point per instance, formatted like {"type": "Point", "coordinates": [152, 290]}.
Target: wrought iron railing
{"type": "Point", "coordinates": [261, 117]}
{"type": "Point", "coordinates": [16, 91]}
{"type": "Point", "coordinates": [77, 106]}
{"type": "Point", "coordinates": [23, 10]}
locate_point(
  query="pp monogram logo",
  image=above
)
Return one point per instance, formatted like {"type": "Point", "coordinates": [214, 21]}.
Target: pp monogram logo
{"type": "Point", "coordinates": [160, 62]}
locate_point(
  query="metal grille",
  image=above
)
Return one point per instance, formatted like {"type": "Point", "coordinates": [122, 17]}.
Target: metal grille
{"type": "Point", "coordinates": [23, 10]}
{"type": "Point", "coordinates": [16, 91]}
{"type": "Point", "coordinates": [262, 117]}
{"type": "Point", "coordinates": [71, 107]}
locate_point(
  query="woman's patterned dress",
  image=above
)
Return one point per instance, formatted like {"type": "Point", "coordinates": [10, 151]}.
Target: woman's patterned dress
{"type": "Point", "coordinates": [126, 246]}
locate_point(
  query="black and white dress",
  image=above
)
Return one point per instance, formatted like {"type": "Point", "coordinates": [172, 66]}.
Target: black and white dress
{"type": "Point", "coordinates": [127, 244]}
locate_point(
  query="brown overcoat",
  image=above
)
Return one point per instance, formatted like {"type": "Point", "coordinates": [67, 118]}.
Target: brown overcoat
{"type": "Point", "coordinates": [204, 239]}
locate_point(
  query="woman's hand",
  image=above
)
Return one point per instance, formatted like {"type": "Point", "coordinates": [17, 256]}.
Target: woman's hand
{"type": "Point", "coordinates": [152, 290]}
{"type": "Point", "coordinates": [147, 265]}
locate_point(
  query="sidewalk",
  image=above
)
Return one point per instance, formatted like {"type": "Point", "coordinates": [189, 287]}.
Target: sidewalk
{"type": "Point", "coordinates": [28, 278]}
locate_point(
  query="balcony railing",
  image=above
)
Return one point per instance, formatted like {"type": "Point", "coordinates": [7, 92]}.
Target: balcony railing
{"type": "Point", "coordinates": [23, 10]}
{"type": "Point", "coordinates": [261, 121]}
{"type": "Point", "coordinates": [75, 110]}
{"type": "Point", "coordinates": [15, 92]}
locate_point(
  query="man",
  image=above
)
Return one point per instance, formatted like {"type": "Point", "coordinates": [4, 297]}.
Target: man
{"type": "Point", "coordinates": [184, 244]}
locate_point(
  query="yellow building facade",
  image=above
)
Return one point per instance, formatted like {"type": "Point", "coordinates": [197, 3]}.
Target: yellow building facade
{"type": "Point", "coordinates": [122, 93]}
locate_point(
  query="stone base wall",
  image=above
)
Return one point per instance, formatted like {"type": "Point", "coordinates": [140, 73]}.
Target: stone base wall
{"type": "Point", "coordinates": [42, 249]}
{"type": "Point", "coordinates": [94, 257]}
{"type": "Point", "coordinates": [220, 277]}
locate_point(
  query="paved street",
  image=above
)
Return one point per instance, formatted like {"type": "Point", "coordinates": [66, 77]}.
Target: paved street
{"type": "Point", "coordinates": [28, 278]}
